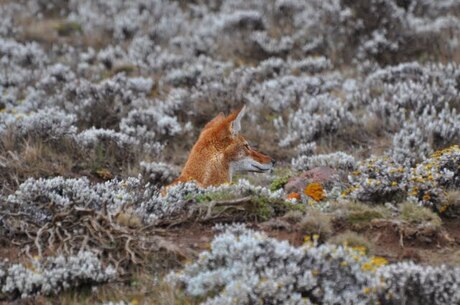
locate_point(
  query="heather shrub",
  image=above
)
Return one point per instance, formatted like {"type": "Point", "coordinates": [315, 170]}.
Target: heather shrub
{"type": "Point", "coordinates": [51, 275]}
{"type": "Point", "coordinates": [244, 266]}
{"type": "Point", "coordinates": [377, 180]}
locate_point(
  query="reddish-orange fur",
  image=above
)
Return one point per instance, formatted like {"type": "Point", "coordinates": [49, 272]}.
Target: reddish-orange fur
{"type": "Point", "coordinates": [217, 146]}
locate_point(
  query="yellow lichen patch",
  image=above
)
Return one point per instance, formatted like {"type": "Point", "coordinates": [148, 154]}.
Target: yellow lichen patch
{"type": "Point", "coordinates": [315, 191]}
{"type": "Point", "coordinates": [443, 208]}
{"type": "Point", "coordinates": [448, 150]}
{"type": "Point", "coordinates": [375, 263]}
{"type": "Point", "coordinates": [367, 290]}
{"type": "Point", "coordinates": [360, 249]}
{"type": "Point", "coordinates": [367, 266]}
{"type": "Point", "coordinates": [379, 261]}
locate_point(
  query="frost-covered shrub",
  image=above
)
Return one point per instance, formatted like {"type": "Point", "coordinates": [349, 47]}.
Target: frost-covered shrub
{"type": "Point", "coordinates": [246, 267]}
{"type": "Point", "coordinates": [53, 274]}
{"type": "Point", "coordinates": [378, 180]}
{"type": "Point", "coordinates": [417, 104]}
{"type": "Point", "coordinates": [62, 192]}
{"type": "Point", "coordinates": [178, 198]}
{"type": "Point", "coordinates": [158, 172]}
{"type": "Point", "coordinates": [27, 55]}
{"type": "Point", "coordinates": [429, 180]}
{"type": "Point", "coordinates": [20, 63]}
{"type": "Point", "coordinates": [410, 144]}
{"type": "Point", "coordinates": [47, 124]}
{"type": "Point", "coordinates": [100, 105]}
{"type": "Point", "coordinates": [150, 125]}
{"type": "Point", "coordinates": [272, 46]}
{"type": "Point", "coordinates": [312, 64]}
{"type": "Point", "coordinates": [286, 91]}
{"type": "Point", "coordinates": [115, 195]}
{"type": "Point", "coordinates": [93, 138]}
{"type": "Point", "coordinates": [202, 70]}
{"type": "Point", "coordinates": [57, 73]}
{"type": "Point", "coordinates": [316, 116]}
{"type": "Point", "coordinates": [307, 160]}
{"type": "Point", "coordinates": [408, 283]}
{"type": "Point", "coordinates": [383, 179]}
{"type": "Point", "coordinates": [8, 26]}
{"type": "Point", "coordinates": [156, 207]}
{"type": "Point", "coordinates": [110, 56]}
{"type": "Point", "coordinates": [123, 19]}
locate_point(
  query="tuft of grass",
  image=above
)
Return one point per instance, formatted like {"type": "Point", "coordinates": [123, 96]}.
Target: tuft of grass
{"type": "Point", "coordinates": [24, 158]}
{"type": "Point", "coordinates": [124, 68]}
{"type": "Point", "coordinates": [419, 215]}
{"type": "Point", "coordinates": [360, 214]}
{"type": "Point", "coordinates": [251, 208]}
{"type": "Point", "coordinates": [67, 28]}
{"type": "Point", "coordinates": [141, 288]}
{"type": "Point", "coordinates": [316, 222]}
{"type": "Point", "coordinates": [293, 216]}
{"type": "Point", "coordinates": [452, 204]}
{"type": "Point", "coordinates": [353, 240]}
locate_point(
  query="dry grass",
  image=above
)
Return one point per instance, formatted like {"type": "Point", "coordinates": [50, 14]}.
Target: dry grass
{"type": "Point", "coordinates": [453, 203]}
{"type": "Point", "coordinates": [143, 288]}
{"type": "Point", "coordinates": [419, 215]}
{"type": "Point", "coordinates": [316, 222]}
{"type": "Point", "coordinates": [359, 215]}
{"type": "Point", "coordinates": [352, 239]}
{"type": "Point", "coordinates": [73, 229]}
{"type": "Point", "coordinates": [293, 217]}
{"type": "Point", "coordinates": [24, 158]}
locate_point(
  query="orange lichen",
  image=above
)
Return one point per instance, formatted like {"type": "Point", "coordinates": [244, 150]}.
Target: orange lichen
{"type": "Point", "coordinates": [294, 195]}
{"type": "Point", "coordinates": [315, 191]}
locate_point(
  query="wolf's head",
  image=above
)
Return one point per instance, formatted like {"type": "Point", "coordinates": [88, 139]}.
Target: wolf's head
{"type": "Point", "coordinates": [225, 135]}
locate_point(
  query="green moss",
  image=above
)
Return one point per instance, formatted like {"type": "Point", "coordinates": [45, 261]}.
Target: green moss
{"type": "Point", "coordinates": [261, 208]}
{"type": "Point", "coordinates": [266, 208]}
{"type": "Point", "coordinates": [279, 182]}
{"type": "Point", "coordinates": [212, 196]}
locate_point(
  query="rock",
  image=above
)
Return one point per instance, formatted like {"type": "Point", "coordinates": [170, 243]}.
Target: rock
{"type": "Point", "coordinates": [320, 175]}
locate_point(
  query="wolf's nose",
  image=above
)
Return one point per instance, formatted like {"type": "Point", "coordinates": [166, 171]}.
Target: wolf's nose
{"type": "Point", "coordinates": [273, 162]}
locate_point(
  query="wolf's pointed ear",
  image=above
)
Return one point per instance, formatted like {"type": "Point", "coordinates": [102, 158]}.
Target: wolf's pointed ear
{"type": "Point", "coordinates": [219, 118]}
{"type": "Point", "coordinates": [235, 120]}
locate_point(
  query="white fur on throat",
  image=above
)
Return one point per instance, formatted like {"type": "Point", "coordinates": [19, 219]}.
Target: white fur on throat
{"type": "Point", "coordinates": [248, 164]}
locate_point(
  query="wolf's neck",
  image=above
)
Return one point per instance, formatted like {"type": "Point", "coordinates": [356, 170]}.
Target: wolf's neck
{"type": "Point", "coordinates": [208, 170]}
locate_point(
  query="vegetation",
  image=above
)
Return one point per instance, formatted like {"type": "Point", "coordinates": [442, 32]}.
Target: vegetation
{"type": "Point", "coordinates": [357, 101]}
